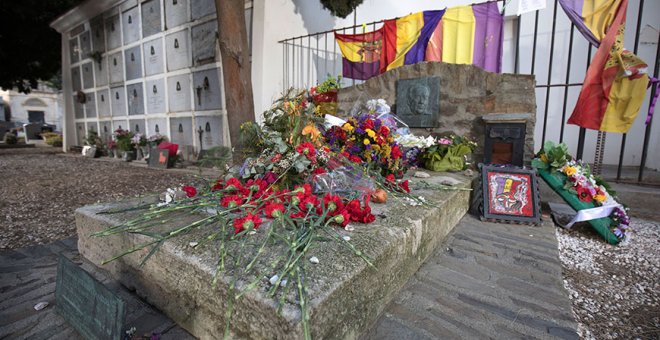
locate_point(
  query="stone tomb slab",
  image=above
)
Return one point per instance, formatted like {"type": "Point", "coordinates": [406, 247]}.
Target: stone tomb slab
{"type": "Point", "coordinates": [113, 35]}
{"type": "Point", "coordinates": [155, 96]}
{"type": "Point", "coordinates": [203, 42]}
{"type": "Point", "coordinates": [116, 66]}
{"type": "Point", "coordinates": [346, 295]}
{"type": "Point", "coordinates": [153, 57]}
{"type": "Point", "coordinates": [178, 90]}
{"type": "Point", "coordinates": [176, 13]}
{"type": "Point", "coordinates": [101, 71]}
{"type": "Point", "coordinates": [135, 99]}
{"type": "Point", "coordinates": [98, 34]}
{"type": "Point", "coordinates": [76, 83]}
{"type": "Point", "coordinates": [90, 104]}
{"type": "Point", "coordinates": [88, 75]}
{"type": "Point", "coordinates": [130, 21]}
{"type": "Point", "coordinates": [103, 99]}
{"type": "Point", "coordinates": [133, 60]}
{"type": "Point", "coordinates": [118, 99]}
{"type": "Point", "coordinates": [150, 18]}
{"type": "Point", "coordinates": [207, 91]}
{"type": "Point", "coordinates": [177, 50]}
{"type": "Point", "coordinates": [85, 45]}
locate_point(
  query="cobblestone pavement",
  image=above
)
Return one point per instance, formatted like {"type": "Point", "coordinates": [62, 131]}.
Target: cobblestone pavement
{"type": "Point", "coordinates": [27, 277]}
{"type": "Point", "coordinates": [489, 280]}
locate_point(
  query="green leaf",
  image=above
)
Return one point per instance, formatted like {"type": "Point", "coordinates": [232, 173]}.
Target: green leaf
{"type": "Point", "coordinates": [539, 164]}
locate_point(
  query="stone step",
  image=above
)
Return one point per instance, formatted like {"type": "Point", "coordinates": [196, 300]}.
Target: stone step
{"type": "Point", "coordinates": [346, 295]}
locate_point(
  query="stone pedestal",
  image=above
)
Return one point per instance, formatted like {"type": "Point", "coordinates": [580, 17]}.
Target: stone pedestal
{"type": "Point", "coordinates": [346, 295]}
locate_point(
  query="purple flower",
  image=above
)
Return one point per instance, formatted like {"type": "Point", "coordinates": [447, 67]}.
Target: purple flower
{"type": "Point", "coordinates": [444, 141]}
{"type": "Point", "coordinates": [619, 232]}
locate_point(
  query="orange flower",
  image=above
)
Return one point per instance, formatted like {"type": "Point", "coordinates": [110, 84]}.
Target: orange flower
{"type": "Point", "coordinates": [311, 130]}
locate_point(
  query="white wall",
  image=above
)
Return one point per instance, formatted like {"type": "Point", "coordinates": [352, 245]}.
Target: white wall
{"type": "Point", "coordinates": [275, 20]}
{"type": "Point", "coordinates": [19, 105]}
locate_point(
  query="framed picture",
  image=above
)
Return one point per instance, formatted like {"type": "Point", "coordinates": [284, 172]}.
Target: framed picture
{"type": "Point", "coordinates": [159, 158]}
{"type": "Point", "coordinates": [510, 194]}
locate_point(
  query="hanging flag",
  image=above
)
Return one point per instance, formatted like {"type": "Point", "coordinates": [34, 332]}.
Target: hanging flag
{"type": "Point", "coordinates": [459, 35]}
{"type": "Point", "coordinates": [616, 80]}
{"type": "Point", "coordinates": [406, 38]}
{"type": "Point", "coordinates": [488, 37]}
{"type": "Point", "coordinates": [361, 54]}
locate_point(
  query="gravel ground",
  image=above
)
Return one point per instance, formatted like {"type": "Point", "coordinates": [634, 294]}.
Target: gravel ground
{"type": "Point", "coordinates": [615, 290]}
{"type": "Point", "coordinates": [40, 188]}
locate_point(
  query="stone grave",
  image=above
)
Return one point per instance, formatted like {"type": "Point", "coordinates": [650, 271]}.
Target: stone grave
{"type": "Point", "coordinates": [346, 294]}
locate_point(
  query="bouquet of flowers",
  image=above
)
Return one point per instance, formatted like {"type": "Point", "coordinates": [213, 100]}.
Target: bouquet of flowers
{"type": "Point", "coordinates": [325, 95]}
{"type": "Point", "coordinates": [124, 140]}
{"type": "Point", "coordinates": [447, 153]}
{"type": "Point", "coordinates": [367, 139]}
{"type": "Point", "coordinates": [288, 147]}
{"type": "Point", "coordinates": [577, 179]}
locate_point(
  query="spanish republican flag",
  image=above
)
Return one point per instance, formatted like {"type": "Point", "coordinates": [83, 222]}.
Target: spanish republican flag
{"type": "Point", "coordinates": [616, 80]}
{"type": "Point", "coordinates": [406, 38]}
{"type": "Point", "coordinates": [361, 54]}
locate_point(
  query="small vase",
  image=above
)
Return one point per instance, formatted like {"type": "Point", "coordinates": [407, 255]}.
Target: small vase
{"type": "Point", "coordinates": [138, 154]}
{"type": "Point", "coordinates": [118, 154]}
{"type": "Point", "coordinates": [111, 153]}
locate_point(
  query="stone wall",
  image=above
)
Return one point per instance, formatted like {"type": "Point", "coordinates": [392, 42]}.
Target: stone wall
{"type": "Point", "coordinates": [466, 94]}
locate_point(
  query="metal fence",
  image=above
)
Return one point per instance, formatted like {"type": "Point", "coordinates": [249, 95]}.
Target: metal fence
{"type": "Point", "coordinates": [543, 43]}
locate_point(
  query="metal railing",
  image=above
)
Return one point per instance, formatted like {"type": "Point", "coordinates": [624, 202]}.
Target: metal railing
{"type": "Point", "coordinates": [308, 59]}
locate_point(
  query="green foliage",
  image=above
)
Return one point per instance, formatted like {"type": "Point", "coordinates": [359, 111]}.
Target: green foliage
{"type": "Point", "coordinates": [52, 139]}
{"type": "Point", "coordinates": [331, 83]}
{"type": "Point", "coordinates": [31, 50]}
{"type": "Point", "coordinates": [341, 8]}
{"type": "Point", "coordinates": [552, 156]}
{"type": "Point", "coordinates": [10, 138]}
{"type": "Point", "coordinates": [93, 139]}
{"type": "Point", "coordinates": [219, 157]}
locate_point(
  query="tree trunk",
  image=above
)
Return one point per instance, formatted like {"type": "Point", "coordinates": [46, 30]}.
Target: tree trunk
{"type": "Point", "coordinates": [236, 68]}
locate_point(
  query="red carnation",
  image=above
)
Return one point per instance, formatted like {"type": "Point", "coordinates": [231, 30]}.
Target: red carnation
{"type": "Point", "coordinates": [335, 200]}
{"type": "Point", "coordinates": [219, 184]}
{"type": "Point", "coordinates": [247, 222]}
{"type": "Point", "coordinates": [404, 185]}
{"type": "Point", "coordinates": [231, 201]}
{"type": "Point", "coordinates": [190, 191]}
{"type": "Point", "coordinates": [307, 149]}
{"type": "Point", "coordinates": [355, 159]}
{"type": "Point", "coordinates": [319, 171]}
{"type": "Point", "coordinates": [274, 209]}
{"type": "Point", "coordinates": [308, 202]}
{"type": "Point", "coordinates": [390, 178]}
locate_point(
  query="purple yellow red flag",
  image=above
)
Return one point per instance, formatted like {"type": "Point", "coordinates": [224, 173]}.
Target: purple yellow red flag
{"type": "Point", "coordinates": [361, 54]}
{"type": "Point", "coordinates": [616, 80]}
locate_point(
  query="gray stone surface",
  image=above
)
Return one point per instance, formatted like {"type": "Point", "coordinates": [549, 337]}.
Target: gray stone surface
{"type": "Point", "coordinates": [207, 90]}
{"type": "Point", "coordinates": [489, 280]}
{"type": "Point", "coordinates": [101, 71]}
{"type": "Point", "coordinates": [130, 21]}
{"type": "Point", "coordinates": [85, 45]}
{"type": "Point", "coordinates": [467, 93]}
{"type": "Point", "coordinates": [87, 75]}
{"type": "Point", "coordinates": [118, 100]}
{"type": "Point", "coordinates": [133, 61]}
{"type": "Point", "coordinates": [98, 34]}
{"type": "Point", "coordinates": [76, 81]}
{"type": "Point", "coordinates": [201, 8]}
{"type": "Point", "coordinates": [213, 130]}
{"type": "Point", "coordinates": [90, 104]}
{"type": "Point", "coordinates": [176, 13]}
{"type": "Point", "coordinates": [150, 18]}
{"type": "Point", "coordinates": [181, 130]}
{"type": "Point", "coordinates": [135, 99]}
{"type": "Point", "coordinates": [74, 50]}
{"type": "Point", "coordinates": [116, 67]}
{"type": "Point", "coordinates": [347, 294]}
{"type": "Point", "coordinates": [27, 277]}
{"type": "Point", "coordinates": [177, 49]}
{"type": "Point", "coordinates": [155, 96]}
{"type": "Point", "coordinates": [112, 32]}
{"type": "Point", "coordinates": [178, 93]}
{"type": "Point", "coordinates": [203, 42]}
{"type": "Point", "coordinates": [153, 57]}
{"type": "Point", "coordinates": [103, 100]}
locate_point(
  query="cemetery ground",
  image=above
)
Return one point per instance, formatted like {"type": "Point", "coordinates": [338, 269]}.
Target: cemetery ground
{"type": "Point", "coordinates": [494, 269]}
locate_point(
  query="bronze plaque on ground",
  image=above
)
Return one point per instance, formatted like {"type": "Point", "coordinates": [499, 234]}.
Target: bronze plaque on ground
{"type": "Point", "coordinates": [418, 101]}
{"type": "Point", "coordinates": [86, 304]}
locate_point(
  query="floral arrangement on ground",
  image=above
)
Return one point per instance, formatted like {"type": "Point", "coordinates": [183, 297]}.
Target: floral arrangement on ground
{"type": "Point", "coordinates": [579, 181]}
{"type": "Point", "coordinates": [304, 179]}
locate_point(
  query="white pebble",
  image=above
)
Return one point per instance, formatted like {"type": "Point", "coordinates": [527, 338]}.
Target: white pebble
{"type": "Point", "coordinates": [421, 174]}
{"type": "Point", "coordinates": [347, 238]}
{"type": "Point", "coordinates": [314, 260]}
{"type": "Point", "coordinates": [273, 279]}
{"type": "Point", "coordinates": [193, 244]}
{"type": "Point", "coordinates": [41, 305]}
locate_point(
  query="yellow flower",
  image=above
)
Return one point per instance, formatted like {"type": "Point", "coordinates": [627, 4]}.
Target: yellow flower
{"type": "Point", "coordinates": [371, 133]}
{"type": "Point", "coordinates": [347, 127]}
{"type": "Point", "coordinates": [311, 130]}
{"type": "Point", "coordinates": [376, 147]}
{"type": "Point", "coordinates": [544, 158]}
{"type": "Point", "coordinates": [366, 141]}
{"type": "Point", "coordinates": [599, 198]}
{"type": "Point", "coordinates": [570, 170]}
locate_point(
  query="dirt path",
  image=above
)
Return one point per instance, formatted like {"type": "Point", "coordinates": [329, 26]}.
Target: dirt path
{"type": "Point", "coordinates": [40, 189]}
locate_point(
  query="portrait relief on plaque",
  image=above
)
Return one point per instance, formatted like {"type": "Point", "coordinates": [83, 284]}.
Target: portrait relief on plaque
{"type": "Point", "coordinates": [418, 101]}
